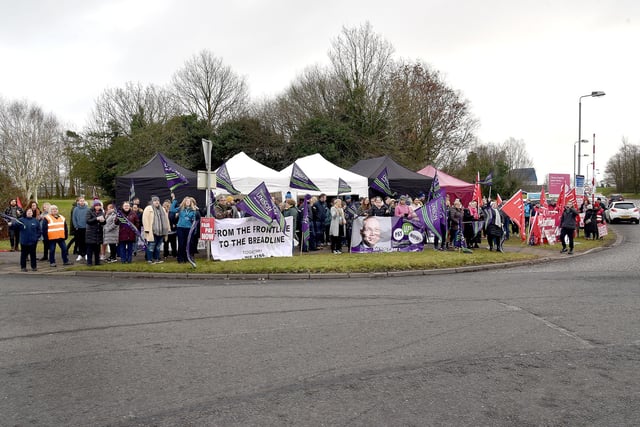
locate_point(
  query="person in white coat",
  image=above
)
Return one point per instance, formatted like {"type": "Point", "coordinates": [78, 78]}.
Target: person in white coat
{"type": "Point", "coordinates": [337, 225]}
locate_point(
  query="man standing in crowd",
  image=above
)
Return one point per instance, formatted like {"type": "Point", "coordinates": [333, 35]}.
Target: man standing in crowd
{"type": "Point", "coordinates": [155, 222]}
{"type": "Point", "coordinates": [14, 211]}
{"type": "Point", "coordinates": [55, 228]}
{"type": "Point", "coordinates": [79, 223]}
{"type": "Point", "coordinates": [319, 215]}
{"type": "Point", "coordinates": [568, 226]}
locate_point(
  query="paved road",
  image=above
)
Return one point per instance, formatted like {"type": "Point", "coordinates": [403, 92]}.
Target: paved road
{"type": "Point", "coordinates": [552, 344]}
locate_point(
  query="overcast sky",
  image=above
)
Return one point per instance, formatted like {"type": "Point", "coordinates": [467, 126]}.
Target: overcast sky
{"type": "Point", "coordinates": [522, 64]}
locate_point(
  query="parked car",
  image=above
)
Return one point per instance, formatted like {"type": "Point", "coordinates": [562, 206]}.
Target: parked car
{"type": "Point", "coordinates": [616, 198]}
{"type": "Point", "coordinates": [623, 211]}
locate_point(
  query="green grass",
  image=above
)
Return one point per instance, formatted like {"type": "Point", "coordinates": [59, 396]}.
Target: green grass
{"type": "Point", "coordinates": [327, 262]}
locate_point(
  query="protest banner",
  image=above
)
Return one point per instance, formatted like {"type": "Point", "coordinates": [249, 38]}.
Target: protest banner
{"type": "Point", "coordinates": [386, 234]}
{"type": "Point", "coordinates": [249, 237]}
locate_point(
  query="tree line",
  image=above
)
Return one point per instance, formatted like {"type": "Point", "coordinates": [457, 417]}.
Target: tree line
{"type": "Point", "coordinates": [364, 103]}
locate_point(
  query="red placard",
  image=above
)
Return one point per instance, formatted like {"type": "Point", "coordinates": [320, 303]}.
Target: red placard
{"type": "Point", "coordinates": [207, 229]}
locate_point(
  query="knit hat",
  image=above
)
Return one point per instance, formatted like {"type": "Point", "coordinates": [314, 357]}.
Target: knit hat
{"type": "Point", "coordinates": [229, 199]}
{"type": "Point", "coordinates": [155, 198]}
{"type": "Point", "coordinates": [96, 202]}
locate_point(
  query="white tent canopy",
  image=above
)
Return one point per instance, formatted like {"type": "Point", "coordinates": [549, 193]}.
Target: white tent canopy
{"type": "Point", "coordinates": [325, 175]}
{"type": "Point", "coordinates": [246, 174]}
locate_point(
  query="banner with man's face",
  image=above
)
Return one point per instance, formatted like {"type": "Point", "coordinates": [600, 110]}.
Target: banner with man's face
{"type": "Point", "coordinates": [386, 234]}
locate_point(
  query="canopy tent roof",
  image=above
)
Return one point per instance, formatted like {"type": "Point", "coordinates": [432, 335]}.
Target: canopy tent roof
{"type": "Point", "coordinates": [150, 180]}
{"type": "Point", "coordinates": [246, 174]}
{"type": "Point", "coordinates": [401, 179]}
{"type": "Point", "coordinates": [456, 188]}
{"type": "Point", "coordinates": [325, 175]}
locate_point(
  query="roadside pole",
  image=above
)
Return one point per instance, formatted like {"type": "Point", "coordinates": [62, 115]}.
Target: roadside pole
{"type": "Point", "coordinates": [206, 147]}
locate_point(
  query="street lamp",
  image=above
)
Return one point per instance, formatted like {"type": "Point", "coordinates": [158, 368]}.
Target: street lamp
{"type": "Point", "coordinates": [595, 94]}
{"type": "Point", "coordinates": [583, 141]}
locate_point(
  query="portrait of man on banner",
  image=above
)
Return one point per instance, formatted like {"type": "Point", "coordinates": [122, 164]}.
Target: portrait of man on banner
{"type": "Point", "coordinates": [371, 234]}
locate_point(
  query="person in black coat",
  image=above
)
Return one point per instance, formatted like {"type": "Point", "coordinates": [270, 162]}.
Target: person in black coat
{"type": "Point", "coordinates": [29, 234]}
{"type": "Point", "coordinates": [94, 236]}
{"type": "Point", "coordinates": [494, 226]}
{"type": "Point", "coordinates": [568, 226]}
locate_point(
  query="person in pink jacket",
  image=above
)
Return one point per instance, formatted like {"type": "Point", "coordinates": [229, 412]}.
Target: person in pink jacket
{"type": "Point", "coordinates": [403, 209]}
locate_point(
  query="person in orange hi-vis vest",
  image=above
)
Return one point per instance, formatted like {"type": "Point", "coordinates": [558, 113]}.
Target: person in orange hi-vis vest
{"type": "Point", "coordinates": [55, 228]}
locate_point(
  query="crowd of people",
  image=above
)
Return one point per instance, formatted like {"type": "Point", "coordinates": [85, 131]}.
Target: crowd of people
{"type": "Point", "coordinates": [331, 221]}
{"type": "Point", "coordinates": [99, 234]}
{"type": "Point", "coordinates": [108, 234]}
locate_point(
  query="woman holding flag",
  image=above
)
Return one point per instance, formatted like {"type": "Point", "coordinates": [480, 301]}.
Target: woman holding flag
{"type": "Point", "coordinates": [127, 232]}
{"type": "Point", "coordinates": [187, 214]}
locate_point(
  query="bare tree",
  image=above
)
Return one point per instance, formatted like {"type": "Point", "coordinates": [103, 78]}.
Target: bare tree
{"type": "Point", "coordinates": [362, 59]}
{"type": "Point", "coordinates": [211, 90]}
{"type": "Point", "coordinates": [624, 168]}
{"type": "Point", "coordinates": [516, 154]}
{"type": "Point", "coordinates": [430, 122]}
{"type": "Point", "coordinates": [29, 142]}
{"type": "Point", "coordinates": [120, 110]}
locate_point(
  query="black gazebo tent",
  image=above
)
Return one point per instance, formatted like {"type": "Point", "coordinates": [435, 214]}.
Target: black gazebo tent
{"type": "Point", "coordinates": [401, 180]}
{"type": "Point", "coordinates": [150, 180]}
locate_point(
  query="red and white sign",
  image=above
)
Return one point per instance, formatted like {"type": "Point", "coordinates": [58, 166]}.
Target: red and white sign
{"type": "Point", "coordinates": [207, 229]}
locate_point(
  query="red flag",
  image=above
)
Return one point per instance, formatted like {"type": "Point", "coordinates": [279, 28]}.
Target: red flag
{"type": "Point", "coordinates": [477, 192]}
{"type": "Point", "coordinates": [561, 199]}
{"type": "Point", "coordinates": [514, 207]}
{"type": "Point", "coordinates": [18, 202]}
{"type": "Point", "coordinates": [571, 197]}
{"type": "Point", "coordinates": [543, 198]}
{"type": "Point", "coordinates": [498, 199]}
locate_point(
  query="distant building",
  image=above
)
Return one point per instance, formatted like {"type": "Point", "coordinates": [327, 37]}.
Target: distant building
{"type": "Point", "coordinates": [527, 177]}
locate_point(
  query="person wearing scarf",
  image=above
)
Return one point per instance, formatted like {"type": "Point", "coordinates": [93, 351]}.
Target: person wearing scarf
{"type": "Point", "coordinates": [494, 227]}
{"type": "Point", "coordinates": [155, 222]}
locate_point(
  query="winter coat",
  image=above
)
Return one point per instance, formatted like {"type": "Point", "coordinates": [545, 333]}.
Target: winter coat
{"type": "Point", "coordinates": [186, 216]}
{"type": "Point", "coordinates": [568, 220]}
{"type": "Point", "coordinates": [79, 216]}
{"type": "Point", "coordinates": [125, 232]}
{"type": "Point", "coordinates": [16, 212]}
{"type": "Point", "coordinates": [455, 216]}
{"type": "Point", "coordinates": [111, 229]}
{"type": "Point", "coordinates": [30, 231]}
{"type": "Point", "coordinates": [292, 212]}
{"type": "Point", "coordinates": [94, 227]}
{"type": "Point", "coordinates": [337, 221]}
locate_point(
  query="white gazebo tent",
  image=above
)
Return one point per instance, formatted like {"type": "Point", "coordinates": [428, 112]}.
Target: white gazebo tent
{"type": "Point", "coordinates": [325, 175]}
{"type": "Point", "coordinates": [246, 174]}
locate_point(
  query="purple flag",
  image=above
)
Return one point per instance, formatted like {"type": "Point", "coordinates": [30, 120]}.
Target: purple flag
{"type": "Point", "coordinates": [343, 186]}
{"type": "Point", "coordinates": [258, 204]}
{"type": "Point", "coordinates": [304, 227]}
{"type": "Point", "coordinates": [223, 180]}
{"type": "Point", "coordinates": [381, 183]}
{"type": "Point", "coordinates": [174, 178]}
{"type": "Point", "coordinates": [433, 216]}
{"type": "Point", "coordinates": [132, 192]}
{"type": "Point", "coordinates": [300, 180]}
{"type": "Point", "coordinates": [434, 191]}
{"type": "Point", "coordinates": [212, 203]}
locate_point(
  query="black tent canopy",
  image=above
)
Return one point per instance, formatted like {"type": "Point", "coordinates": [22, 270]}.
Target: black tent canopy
{"type": "Point", "coordinates": [150, 180]}
{"type": "Point", "coordinates": [401, 179]}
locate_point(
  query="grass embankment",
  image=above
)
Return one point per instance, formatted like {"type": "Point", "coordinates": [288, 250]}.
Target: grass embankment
{"type": "Point", "coordinates": [326, 262]}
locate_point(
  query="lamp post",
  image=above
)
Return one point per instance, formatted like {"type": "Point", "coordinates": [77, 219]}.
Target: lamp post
{"type": "Point", "coordinates": [584, 141]}
{"type": "Point", "coordinates": [597, 93]}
